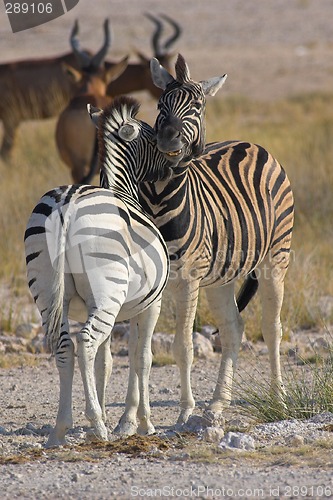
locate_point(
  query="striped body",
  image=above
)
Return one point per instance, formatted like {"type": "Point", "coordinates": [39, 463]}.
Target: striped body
{"type": "Point", "coordinates": [226, 212]}
{"type": "Point", "coordinates": [111, 246]}
{"type": "Point", "coordinates": [93, 255]}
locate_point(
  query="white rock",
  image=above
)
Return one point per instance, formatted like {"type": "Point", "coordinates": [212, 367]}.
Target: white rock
{"type": "Point", "coordinates": [237, 441]}
{"type": "Point", "coordinates": [213, 434]}
{"type": "Point", "coordinates": [202, 347]}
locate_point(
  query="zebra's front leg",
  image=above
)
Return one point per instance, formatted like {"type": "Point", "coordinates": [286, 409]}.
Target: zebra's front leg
{"type": "Point", "coordinates": [103, 370]}
{"type": "Point", "coordinates": [88, 341]}
{"type": "Point", "coordinates": [224, 309]}
{"type": "Point", "coordinates": [65, 364]}
{"type": "Point", "coordinates": [186, 306]}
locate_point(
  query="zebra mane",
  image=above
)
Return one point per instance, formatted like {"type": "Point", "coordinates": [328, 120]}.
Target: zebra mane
{"type": "Point", "coordinates": [126, 107]}
{"type": "Point", "coordinates": [115, 114]}
{"type": "Point", "coordinates": [182, 71]}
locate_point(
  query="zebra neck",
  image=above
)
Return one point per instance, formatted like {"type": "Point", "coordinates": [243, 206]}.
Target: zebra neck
{"type": "Point", "coordinates": [119, 179]}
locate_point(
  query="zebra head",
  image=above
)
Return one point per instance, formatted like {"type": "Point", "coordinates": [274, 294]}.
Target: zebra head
{"type": "Point", "coordinates": [127, 146]}
{"type": "Point", "coordinates": [180, 125]}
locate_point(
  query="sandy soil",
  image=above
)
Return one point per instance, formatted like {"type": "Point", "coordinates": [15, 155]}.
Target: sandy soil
{"type": "Point", "coordinates": [270, 49]}
{"type": "Point", "coordinates": [141, 468]}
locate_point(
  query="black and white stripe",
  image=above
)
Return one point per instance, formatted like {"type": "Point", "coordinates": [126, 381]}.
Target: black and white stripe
{"type": "Point", "coordinates": [226, 212]}
{"type": "Point", "coordinates": [92, 254]}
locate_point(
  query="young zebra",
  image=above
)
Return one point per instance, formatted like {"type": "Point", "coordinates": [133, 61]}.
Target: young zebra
{"type": "Point", "coordinates": [226, 212]}
{"type": "Point", "coordinates": [92, 254]}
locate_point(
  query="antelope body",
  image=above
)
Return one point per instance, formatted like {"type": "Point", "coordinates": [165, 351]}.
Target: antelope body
{"type": "Point", "coordinates": [75, 133]}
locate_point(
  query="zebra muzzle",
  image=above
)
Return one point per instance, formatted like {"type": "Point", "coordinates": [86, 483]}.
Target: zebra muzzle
{"type": "Point", "coordinates": [174, 153]}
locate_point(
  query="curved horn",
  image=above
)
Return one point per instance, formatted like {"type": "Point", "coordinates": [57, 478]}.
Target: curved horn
{"type": "Point", "coordinates": [155, 40]}
{"type": "Point", "coordinates": [177, 31]}
{"type": "Point", "coordinates": [82, 57]}
{"type": "Point", "coordinates": [98, 58]}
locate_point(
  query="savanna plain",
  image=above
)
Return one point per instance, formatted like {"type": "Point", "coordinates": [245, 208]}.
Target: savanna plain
{"type": "Point", "coordinates": [279, 93]}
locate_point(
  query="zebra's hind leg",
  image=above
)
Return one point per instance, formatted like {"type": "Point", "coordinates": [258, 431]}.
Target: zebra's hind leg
{"type": "Point", "coordinates": [95, 332]}
{"type": "Point", "coordinates": [103, 370]}
{"type": "Point", "coordinates": [137, 399]}
{"type": "Point", "coordinates": [271, 289]}
{"type": "Point", "coordinates": [224, 309]}
{"type": "Point", "coordinates": [127, 425]}
{"type": "Point", "coordinates": [146, 323]}
{"type": "Point", "coordinates": [65, 364]}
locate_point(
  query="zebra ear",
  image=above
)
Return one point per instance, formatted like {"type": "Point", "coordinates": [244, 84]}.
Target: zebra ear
{"type": "Point", "coordinates": [161, 77]}
{"type": "Point", "coordinates": [94, 113]}
{"type": "Point", "coordinates": [211, 86]}
{"type": "Point", "coordinates": [128, 132]}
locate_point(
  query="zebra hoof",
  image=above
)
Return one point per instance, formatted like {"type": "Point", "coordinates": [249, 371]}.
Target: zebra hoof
{"type": "Point", "coordinates": [126, 428]}
{"type": "Point", "coordinates": [93, 436]}
{"type": "Point", "coordinates": [214, 418]}
{"type": "Point", "coordinates": [147, 429]}
{"type": "Point", "coordinates": [184, 416]}
{"type": "Point", "coordinates": [54, 441]}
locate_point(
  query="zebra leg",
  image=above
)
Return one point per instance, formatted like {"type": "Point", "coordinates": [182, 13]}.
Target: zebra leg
{"type": "Point", "coordinates": [186, 306]}
{"type": "Point", "coordinates": [65, 364]}
{"type": "Point", "coordinates": [103, 370]}
{"type": "Point", "coordinates": [271, 289]}
{"type": "Point", "coordinates": [127, 425]}
{"type": "Point", "coordinates": [146, 323]}
{"type": "Point", "coordinates": [224, 309]}
{"type": "Point", "coordinates": [137, 399]}
{"type": "Point", "coordinates": [91, 336]}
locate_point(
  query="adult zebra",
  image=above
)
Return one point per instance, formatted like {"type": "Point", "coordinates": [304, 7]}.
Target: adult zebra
{"type": "Point", "coordinates": [226, 212]}
{"type": "Point", "coordinates": [92, 254]}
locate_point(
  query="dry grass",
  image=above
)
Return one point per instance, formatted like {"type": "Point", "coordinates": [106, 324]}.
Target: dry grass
{"type": "Point", "coordinates": [298, 132]}
{"type": "Point", "coordinates": [182, 447]}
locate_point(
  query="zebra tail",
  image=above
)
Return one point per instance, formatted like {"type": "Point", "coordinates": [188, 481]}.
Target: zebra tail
{"type": "Point", "coordinates": [55, 309]}
{"type": "Point", "coordinates": [247, 291]}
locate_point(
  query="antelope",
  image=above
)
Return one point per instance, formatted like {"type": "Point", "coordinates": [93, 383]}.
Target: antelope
{"type": "Point", "coordinates": [75, 134]}
{"type": "Point", "coordinates": [33, 89]}
{"type": "Point", "coordinates": [137, 76]}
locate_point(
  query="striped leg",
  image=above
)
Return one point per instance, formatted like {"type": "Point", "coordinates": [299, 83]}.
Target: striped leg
{"type": "Point", "coordinates": [186, 306]}
{"type": "Point", "coordinates": [146, 324]}
{"type": "Point", "coordinates": [65, 364]}
{"type": "Point", "coordinates": [103, 370]}
{"type": "Point", "coordinates": [137, 399]}
{"type": "Point", "coordinates": [127, 425]}
{"type": "Point", "coordinates": [271, 288]}
{"type": "Point", "coordinates": [224, 309]}
{"type": "Point", "coordinates": [93, 334]}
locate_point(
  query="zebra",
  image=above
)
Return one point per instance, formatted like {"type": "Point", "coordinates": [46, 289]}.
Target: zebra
{"type": "Point", "coordinates": [226, 212]}
{"type": "Point", "coordinates": [92, 254]}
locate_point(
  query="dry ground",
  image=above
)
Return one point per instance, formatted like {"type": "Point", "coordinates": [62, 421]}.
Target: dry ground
{"type": "Point", "coordinates": [270, 49]}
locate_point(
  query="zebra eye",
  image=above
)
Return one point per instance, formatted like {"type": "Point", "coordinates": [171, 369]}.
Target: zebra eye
{"type": "Point", "coordinates": [196, 104]}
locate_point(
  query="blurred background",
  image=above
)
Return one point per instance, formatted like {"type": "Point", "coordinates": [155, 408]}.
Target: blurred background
{"type": "Point", "coordinates": [279, 93]}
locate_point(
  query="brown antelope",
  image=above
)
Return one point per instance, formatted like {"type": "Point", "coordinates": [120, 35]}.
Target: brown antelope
{"type": "Point", "coordinates": [137, 76]}
{"type": "Point", "coordinates": [32, 90]}
{"type": "Point", "coordinates": [75, 133]}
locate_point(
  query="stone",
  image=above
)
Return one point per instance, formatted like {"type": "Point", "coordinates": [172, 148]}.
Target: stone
{"type": "Point", "coordinates": [237, 441]}
{"type": "Point", "coordinates": [162, 344]}
{"type": "Point", "coordinates": [27, 330]}
{"type": "Point", "coordinates": [202, 347]}
{"type": "Point", "coordinates": [213, 434]}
